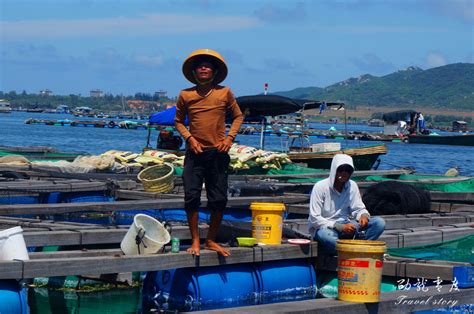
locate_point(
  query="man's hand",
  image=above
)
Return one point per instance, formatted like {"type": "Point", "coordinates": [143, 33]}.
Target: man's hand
{"type": "Point", "coordinates": [348, 229]}
{"type": "Point", "coordinates": [194, 145]}
{"type": "Point", "coordinates": [225, 145]}
{"type": "Point", "coordinates": [363, 221]}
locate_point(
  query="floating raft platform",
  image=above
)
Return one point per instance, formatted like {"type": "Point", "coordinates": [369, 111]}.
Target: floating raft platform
{"type": "Point", "coordinates": [454, 218]}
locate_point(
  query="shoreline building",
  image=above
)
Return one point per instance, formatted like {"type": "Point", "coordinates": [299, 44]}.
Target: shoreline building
{"type": "Point", "coordinates": [46, 92]}
{"type": "Point", "coordinates": [96, 93]}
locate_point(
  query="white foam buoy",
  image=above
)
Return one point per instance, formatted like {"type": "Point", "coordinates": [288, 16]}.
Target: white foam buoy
{"type": "Point", "coordinates": [145, 236]}
{"type": "Point", "coordinates": [12, 245]}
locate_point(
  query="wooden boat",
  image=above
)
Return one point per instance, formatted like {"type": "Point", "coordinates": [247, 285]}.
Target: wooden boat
{"type": "Point", "coordinates": [364, 157]}
{"type": "Point", "coordinates": [271, 105]}
{"type": "Point", "coordinates": [460, 140]}
{"type": "Point", "coordinates": [39, 153]}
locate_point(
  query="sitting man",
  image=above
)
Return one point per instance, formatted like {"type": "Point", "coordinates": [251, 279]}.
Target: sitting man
{"type": "Point", "coordinates": [167, 140]}
{"type": "Point", "coordinates": [337, 211]}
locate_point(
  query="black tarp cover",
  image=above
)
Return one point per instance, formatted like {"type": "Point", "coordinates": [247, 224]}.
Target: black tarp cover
{"type": "Point", "coordinates": [275, 105]}
{"type": "Point", "coordinates": [396, 116]}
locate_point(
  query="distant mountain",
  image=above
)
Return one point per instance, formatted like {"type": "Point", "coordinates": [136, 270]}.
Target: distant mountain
{"type": "Point", "coordinates": [450, 86]}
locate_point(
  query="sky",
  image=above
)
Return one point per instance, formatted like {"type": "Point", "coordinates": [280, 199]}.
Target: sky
{"type": "Point", "coordinates": [138, 46]}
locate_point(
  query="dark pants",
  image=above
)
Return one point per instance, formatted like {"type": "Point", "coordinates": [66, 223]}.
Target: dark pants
{"type": "Point", "coordinates": [210, 167]}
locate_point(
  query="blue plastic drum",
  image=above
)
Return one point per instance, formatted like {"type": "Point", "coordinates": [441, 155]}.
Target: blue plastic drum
{"type": "Point", "coordinates": [287, 280]}
{"type": "Point", "coordinates": [191, 289]}
{"type": "Point", "coordinates": [12, 298]}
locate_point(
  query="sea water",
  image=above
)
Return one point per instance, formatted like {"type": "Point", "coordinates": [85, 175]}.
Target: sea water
{"type": "Point", "coordinates": [424, 158]}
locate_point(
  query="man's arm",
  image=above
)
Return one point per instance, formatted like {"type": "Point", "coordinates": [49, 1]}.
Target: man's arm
{"type": "Point", "coordinates": [180, 118]}
{"type": "Point", "coordinates": [358, 209]}
{"type": "Point", "coordinates": [237, 119]}
{"type": "Point", "coordinates": [316, 205]}
{"type": "Point", "coordinates": [236, 114]}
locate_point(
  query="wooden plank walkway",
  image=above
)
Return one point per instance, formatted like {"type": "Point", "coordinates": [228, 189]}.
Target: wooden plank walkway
{"type": "Point", "coordinates": [117, 263]}
{"type": "Point", "coordinates": [401, 231]}
{"type": "Point", "coordinates": [390, 302]}
{"type": "Point", "coordinates": [94, 262]}
{"type": "Point", "coordinates": [62, 208]}
{"type": "Point", "coordinates": [404, 267]}
{"type": "Point", "coordinates": [9, 187]}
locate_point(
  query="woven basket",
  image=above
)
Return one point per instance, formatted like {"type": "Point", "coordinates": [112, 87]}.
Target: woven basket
{"type": "Point", "coordinates": [157, 178]}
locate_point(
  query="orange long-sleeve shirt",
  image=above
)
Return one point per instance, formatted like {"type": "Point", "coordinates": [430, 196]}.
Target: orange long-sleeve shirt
{"type": "Point", "coordinates": [206, 115]}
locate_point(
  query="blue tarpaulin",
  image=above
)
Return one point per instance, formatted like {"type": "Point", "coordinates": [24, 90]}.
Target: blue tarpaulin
{"type": "Point", "coordinates": [165, 117]}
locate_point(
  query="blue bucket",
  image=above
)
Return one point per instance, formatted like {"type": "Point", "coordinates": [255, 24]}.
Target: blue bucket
{"type": "Point", "coordinates": [12, 298]}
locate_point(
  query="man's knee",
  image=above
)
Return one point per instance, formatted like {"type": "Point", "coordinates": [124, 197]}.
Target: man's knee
{"type": "Point", "coordinates": [326, 234]}
{"type": "Point", "coordinates": [217, 205]}
{"type": "Point", "coordinates": [377, 223]}
{"type": "Point", "coordinates": [192, 201]}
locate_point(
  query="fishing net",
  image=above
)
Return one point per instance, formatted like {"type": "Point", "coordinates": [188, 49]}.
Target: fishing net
{"type": "Point", "coordinates": [433, 182]}
{"type": "Point", "coordinates": [458, 250]}
{"type": "Point", "coordinates": [396, 198]}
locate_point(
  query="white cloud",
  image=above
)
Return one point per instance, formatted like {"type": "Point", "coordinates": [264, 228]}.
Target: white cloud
{"type": "Point", "coordinates": [274, 14]}
{"type": "Point", "coordinates": [374, 29]}
{"type": "Point", "coordinates": [149, 60]}
{"type": "Point", "coordinates": [435, 59]}
{"type": "Point", "coordinates": [373, 64]}
{"type": "Point", "coordinates": [150, 24]}
{"type": "Point", "coordinates": [470, 57]}
{"type": "Point", "coordinates": [459, 9]}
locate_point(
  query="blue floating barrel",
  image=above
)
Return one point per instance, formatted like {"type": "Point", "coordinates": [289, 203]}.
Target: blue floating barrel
{"type": "Point", "coordinates": [179, 214]}
{"type": "Point", "coordinates": [237, 214]}
{"type": "Point", "coordinates": [12, 298]}
{"type": "Point", "coordinates": [18, 199]}
{"type": "Point", "coordinates": [287, 280]}
{"type": "Point", "coordinates": [78, 197]}
{"type": "Point", "coordinates": [204, 288]}
{"type": "Point", "coordinates": [125, 217]}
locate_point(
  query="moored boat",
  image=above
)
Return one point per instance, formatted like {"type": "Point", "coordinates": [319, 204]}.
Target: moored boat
{"type": "Point", "coordinates": [39, 153]}
{"type": "Point", "coordinates": [5, 106]}
{"type": "Point", "coordinates": [271, 105]}
{"type": "Point", "coordinates": [364, 157]}
{"type": "Point", "coordinates": [461, 140]}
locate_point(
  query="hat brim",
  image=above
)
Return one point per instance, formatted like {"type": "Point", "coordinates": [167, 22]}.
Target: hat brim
{"type": "Point", "coordinates": [221, 69]}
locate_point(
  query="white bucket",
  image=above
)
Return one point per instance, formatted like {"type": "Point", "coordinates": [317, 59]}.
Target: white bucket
{"type": "Point", "coordinates": [12, 245]}
{"type": "Point", "coordinates": [151, 234]}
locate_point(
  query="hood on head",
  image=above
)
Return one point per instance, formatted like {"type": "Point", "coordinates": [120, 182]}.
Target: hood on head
{"type": "Point", "coordinates": [339, 160]}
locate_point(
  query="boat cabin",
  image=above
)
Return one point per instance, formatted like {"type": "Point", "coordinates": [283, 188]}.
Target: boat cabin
{"type": "Point", "coordinates": [460, 126]}
{"type": "Point", "coordinates": [5, 106]}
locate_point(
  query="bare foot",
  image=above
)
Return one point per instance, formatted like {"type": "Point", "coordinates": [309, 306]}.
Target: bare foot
{"type": "Point", "coordinates": [211, 245]}
{"type": "Point", "coordinates": [195, 248]}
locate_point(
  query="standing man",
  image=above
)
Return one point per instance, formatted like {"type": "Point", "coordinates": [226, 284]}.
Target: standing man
{"type": "Point", "coordinates": [337, 211]}
{"type": "Point", "coordinates": [207, 160]}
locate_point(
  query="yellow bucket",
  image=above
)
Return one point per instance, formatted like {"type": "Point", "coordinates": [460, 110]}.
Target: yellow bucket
{"type": "Point", "coordinates": [267, 222]}
{"type": "Point", "coordinates": [359, 269]}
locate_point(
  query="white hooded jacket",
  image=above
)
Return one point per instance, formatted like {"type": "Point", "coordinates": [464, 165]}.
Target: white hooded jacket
{"type": "Point", "coordinates": [327, 205]}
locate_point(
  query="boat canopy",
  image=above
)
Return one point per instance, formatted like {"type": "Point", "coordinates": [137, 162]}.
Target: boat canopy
{"type": "Point", "coordinates": [275, 105]}
{"type": "Point", "coordinates": [401, 115]}
{"type": "Point", "coordinates": [254, 107]}
{"type": "Point", "coordinates": [165, 117]}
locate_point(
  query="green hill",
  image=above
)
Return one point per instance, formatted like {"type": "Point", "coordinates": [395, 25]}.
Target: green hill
{"type": "Point", "coordinates": [450, 86]}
